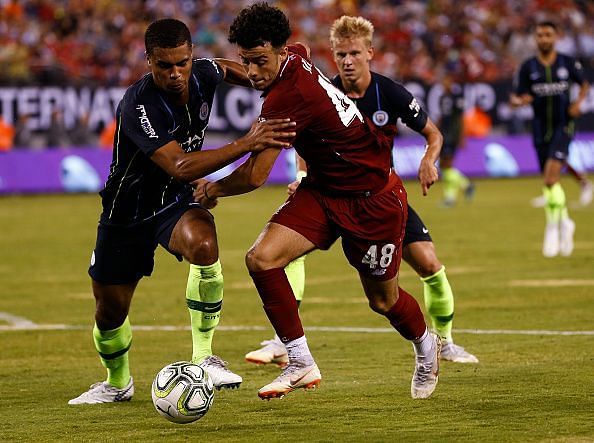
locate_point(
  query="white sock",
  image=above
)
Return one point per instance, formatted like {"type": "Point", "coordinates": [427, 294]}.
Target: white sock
{"type": "Point", "coordinates": [423, 345]}
{"type": "Point", "coordinates": [277, 340]}
{"type": "Point", "coordinates": [299, 351]}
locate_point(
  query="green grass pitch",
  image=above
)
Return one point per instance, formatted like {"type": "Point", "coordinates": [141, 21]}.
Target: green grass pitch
{"type": "Point", "coordinates": [529, 386]}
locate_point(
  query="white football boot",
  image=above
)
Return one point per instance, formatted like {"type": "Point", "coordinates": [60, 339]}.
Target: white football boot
{"type": "Point", "coordinates": [538, 202]}
{"type": "Point", "coordinates": [567, 227]}
{"type": "Point", "coordinates": [457, 354]}
{"type": "Point", "coordinates": [426, 373]}
{"type": "Point", "coordinates": [294, 376]}
{"type": "Point", "coordinates": [587, 193]}
{"type": "Point", "coordinates": [103, 392]}
{"type": "Point", "coordinates": [551, 244]}
{"type": "Point", "coordinates": [222, 378]}
{"type": "Point", "coordinates": [272, 351]}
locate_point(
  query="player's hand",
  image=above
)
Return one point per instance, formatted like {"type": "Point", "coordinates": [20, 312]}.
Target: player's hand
{"type": "Point", "coordinates": [292, 187]}
{"type": "Point", "coordinates": [201, 194]}
{"type": "Point", "coordinates": [273, 133]}
{"type": "Point", "coordinates": [574, 110]}
{"type": "Point", "coordinates": [520, 100]}
{"type": "Point", "coordinates": [427, 175]}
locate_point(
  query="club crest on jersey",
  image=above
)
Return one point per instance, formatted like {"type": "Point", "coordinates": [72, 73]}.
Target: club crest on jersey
{"type": "Point", "coordinates": [380, 118]}
{"type": "Point", "coordinates": [204, 111]}
{"type": "Point", "coordinates": [562, 73]}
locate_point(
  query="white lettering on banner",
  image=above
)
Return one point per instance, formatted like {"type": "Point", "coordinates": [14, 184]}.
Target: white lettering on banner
{"type": "Point", "coordinates": [76, 103]}
{"type": "Point", "coordinates": [7, 96]}
{"type": "Point", "coordinates": [101, 106]}
{"type": "Point", "coordinates": [40, 102]}
{"type": "Point", "coordinates": [242, 107]}
{"type": "Point", "coordinates": [50, 100]}
{"type": "Point", "coordinates": [216, 122]}
{"type": "Point", "coordinates": [28, 103]}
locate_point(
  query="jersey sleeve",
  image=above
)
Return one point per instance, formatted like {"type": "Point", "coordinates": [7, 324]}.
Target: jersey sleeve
{"type": "Point", "coordinates": [406, 106]}
{"type": "Point", "coordinates": [521, 82]}
{"type": "Point", "coordinates": [209, 71]}
{"type": "Point", "coordinates": [576, 71]}
{"type": "Point", "coordinates": [146, 126]}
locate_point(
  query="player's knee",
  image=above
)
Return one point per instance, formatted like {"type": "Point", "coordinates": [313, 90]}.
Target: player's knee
{"type": "Point", "coordinates": [254, 260]}
{"type": "Point", "coordinates": [110, 313]}
{"type": "Point", "coordinates": [257, 259]}
{"type": "Point", "coordinates": [201, 250]}
{"type": "Point", "coordinates": [429, 267]}
{"type": "Point", "coordinates": [380, 306]}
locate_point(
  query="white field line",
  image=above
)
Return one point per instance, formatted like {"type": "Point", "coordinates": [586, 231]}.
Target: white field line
{"type": "Point", "coordinates": [22, 324]}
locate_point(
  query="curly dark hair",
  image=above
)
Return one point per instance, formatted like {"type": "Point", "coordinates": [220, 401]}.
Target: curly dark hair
{"type": "Point", "coordinates": [259, 24]}
{"type": "Point", "coordinates": [166, 33]}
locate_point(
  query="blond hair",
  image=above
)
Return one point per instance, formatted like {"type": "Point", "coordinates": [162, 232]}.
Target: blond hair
{"type": "Point", "coordinates": [351, 27]}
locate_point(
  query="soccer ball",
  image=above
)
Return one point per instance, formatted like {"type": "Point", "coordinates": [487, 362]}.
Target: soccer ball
{"type": "Point", "coordinates": [182, 392]}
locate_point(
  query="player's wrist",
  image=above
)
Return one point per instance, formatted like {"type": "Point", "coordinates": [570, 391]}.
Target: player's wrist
{"type": "Point", "coordinates": [206, 194]}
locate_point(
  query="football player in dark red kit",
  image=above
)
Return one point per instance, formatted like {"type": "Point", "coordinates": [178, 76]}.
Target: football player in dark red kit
{"type": "Point", "coordinates": [351, 192]}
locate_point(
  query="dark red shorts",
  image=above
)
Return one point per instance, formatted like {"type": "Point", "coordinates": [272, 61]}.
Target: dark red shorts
{"type": "Point", "coordinates": [372, 228]}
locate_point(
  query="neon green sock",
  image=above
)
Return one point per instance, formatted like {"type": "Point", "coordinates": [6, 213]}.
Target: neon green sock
{"type": "Point", "coordinates": [439, 302]}
{"type": "Point", "coordinates": [296, 274]}
{"type": "Point", "coordinates": [555, 203]}
{"type": "Point", "coordinates": [449, 177]}
{"type": "Point", "coordinates": [113, 346]}
{"type": "Point", "coordinates": [204, 297]}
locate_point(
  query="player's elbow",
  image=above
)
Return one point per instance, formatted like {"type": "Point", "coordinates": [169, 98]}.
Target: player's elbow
{"type": "Point", "coordinates": [185, 171]}
{"type": "Point", "coordinates": [256, 180]}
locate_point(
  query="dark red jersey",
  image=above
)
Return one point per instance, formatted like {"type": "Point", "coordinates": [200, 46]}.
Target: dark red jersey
{"type": "Point", "coordinates": [344, 152]}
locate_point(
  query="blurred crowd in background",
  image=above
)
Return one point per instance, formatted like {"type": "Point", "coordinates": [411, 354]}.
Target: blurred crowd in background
{"type": "Point", "coordinates": [100, 42]}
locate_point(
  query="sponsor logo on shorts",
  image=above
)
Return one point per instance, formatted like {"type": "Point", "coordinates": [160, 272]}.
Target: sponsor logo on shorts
{"type": "Point", "coordinates": [379, 271]}
{"type": "Point", "coordinates": [93, 259]}
{"type": "Point", "coordinates": [425, 230]}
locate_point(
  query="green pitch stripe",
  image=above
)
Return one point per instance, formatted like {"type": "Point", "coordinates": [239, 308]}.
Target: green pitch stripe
{"type": "Point", "coordinates": [204, 307]}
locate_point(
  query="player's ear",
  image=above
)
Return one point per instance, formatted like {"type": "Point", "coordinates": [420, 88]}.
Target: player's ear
{"type": "Point", "coordinates": [284, 53]}
{"type": "Point", "coordinates": [370, 53]}
{"type": "Point", "coordinates": [148, 58]}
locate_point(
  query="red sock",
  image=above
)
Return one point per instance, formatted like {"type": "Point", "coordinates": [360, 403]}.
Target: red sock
{"type": "Point", "coordinates": [406, 316]}
{"type": "Point", "coordinates": [279, 303]}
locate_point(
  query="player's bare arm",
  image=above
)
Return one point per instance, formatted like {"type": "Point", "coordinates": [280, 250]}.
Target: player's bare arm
{"type": "Point", "coordinates": [233, 72]}
{"type": "Point", "coordinates": [249, 176]}
{"type": "Point", "coordinates": [190, 166]}
{"type": "Point", "coordinates": [428, 174]}
{"type": "Point", "coordinates": [516, 100]}
{"type": "Point", "coordinates": [574, 108]}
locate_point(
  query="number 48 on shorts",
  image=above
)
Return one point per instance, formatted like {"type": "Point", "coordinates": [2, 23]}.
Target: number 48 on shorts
{"type": "Point", "coordinates": [386, 252]}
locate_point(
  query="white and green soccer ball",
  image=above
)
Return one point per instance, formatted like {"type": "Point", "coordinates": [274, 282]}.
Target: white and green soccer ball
{"type": "Point", "coordinates": [182, 392]}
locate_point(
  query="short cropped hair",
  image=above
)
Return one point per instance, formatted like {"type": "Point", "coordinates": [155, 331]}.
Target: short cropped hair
{"type": "Point", "coordinates": [166, 33]}
{"type": "Point", "coordinates": [259, 24]}
{"type": "Point", "coordinates": [547, 24]}
{"type": "Point", "coordinates": [351, 27]}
